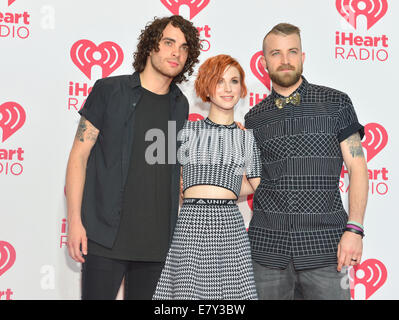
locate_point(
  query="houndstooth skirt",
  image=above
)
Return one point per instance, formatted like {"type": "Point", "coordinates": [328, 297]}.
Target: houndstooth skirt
{"type": "Point", "coordinates": [209, 257]}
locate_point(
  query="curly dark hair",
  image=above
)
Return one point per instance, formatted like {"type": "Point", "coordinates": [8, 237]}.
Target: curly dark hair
{"type": "Point", "coordinates": [152, 34]}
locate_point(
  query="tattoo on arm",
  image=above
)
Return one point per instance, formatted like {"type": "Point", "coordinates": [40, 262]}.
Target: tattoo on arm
{"type": "Point", "coordinates": [81, 129]}
{"type": "Point", "coordinates": [355, 145]}
{"type": "Point", "coordinates": [85, 131]}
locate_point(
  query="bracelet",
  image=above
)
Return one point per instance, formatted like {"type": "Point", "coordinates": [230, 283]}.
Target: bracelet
{"type": "Point", "coordinates": [356, 224]}
{"type": "Point", "coordinates": [352, 226]}
{"type": "Point", "coordinates": [355, 231]}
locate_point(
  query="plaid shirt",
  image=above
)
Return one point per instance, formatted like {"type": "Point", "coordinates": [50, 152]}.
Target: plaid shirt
{"type": "Point", "coordinates": [298, 211]}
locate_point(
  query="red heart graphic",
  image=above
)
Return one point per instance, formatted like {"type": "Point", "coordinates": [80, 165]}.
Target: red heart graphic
{"type": "Point", "coordinates": [7, 256]}
{"type": "Point", "coordinates": [373, 10]}
{"type": "Point", "coordinates": [373, 276]}
{"type": "Point", "coordinates": [83, 56]}
{"type": "Point", "coordinates": [376, 138]}
{"type": "Point", "coordinates": [250, 201]}
{"type": "Point", "coordinates": [12, 118]}
{"type": "Point", "coordinates": [259, 71]}
{"type": "Point", "coordinates": [195, 6]}
{"type": "Point", "coordinates": [195, 117]}
{"type": "Point", "coordinates": [10, 2]}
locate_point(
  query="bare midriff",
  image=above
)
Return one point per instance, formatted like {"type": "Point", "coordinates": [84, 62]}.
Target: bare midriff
{"type": "Point", "coordinates": [209, 192]}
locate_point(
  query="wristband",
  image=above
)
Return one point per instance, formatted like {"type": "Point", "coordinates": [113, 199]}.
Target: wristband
{"type": "Point", "coordinates": [352, 226]}
{"type": "Point", "coordinates": [355, 231]}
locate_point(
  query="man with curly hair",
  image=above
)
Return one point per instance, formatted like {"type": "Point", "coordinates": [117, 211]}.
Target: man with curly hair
{"type": "Point", "coordinates": [122, 208]}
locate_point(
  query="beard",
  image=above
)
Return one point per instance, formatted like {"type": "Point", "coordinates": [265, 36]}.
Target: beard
{"type": "Point", "coordinates": [157, 66]}
{"type": "Point", "coordinates": [286, 79]}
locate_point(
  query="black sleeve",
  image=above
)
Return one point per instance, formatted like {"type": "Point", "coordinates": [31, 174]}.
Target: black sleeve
{"type": "Point", "coordinates": [94, 107]}
{"type": "Point", "coordinates": [187, 107]}
{"type": "Point", "coordinates": [347, 123]}
{"type": "Point", "coordinates": [246, 122]}
{"type": "Point", "coordinates": [254, 167]}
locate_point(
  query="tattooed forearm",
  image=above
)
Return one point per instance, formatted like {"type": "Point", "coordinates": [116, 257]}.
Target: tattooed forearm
{"type": "Point", "coordinates": [86, 131]}
{"type": "Point", "coordinates": [81, 129]}
{"type": "Point", "coordinates": [91, 135]}
{"type": "Point", "coordinates": [355, 145]}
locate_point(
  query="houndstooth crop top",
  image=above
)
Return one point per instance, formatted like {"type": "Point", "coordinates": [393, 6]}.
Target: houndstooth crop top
{"type": "Point", "coordinates": [215, 154]}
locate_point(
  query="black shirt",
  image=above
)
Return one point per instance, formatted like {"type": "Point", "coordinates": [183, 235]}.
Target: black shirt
{"type": "Point", "coordinates": [144, 229]}
{"type": "Point", "coordinates": [298, 211]}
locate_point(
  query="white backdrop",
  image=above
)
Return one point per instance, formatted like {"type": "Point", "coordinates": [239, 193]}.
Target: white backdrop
{"type": "Point", "coordinates": [45, 80]}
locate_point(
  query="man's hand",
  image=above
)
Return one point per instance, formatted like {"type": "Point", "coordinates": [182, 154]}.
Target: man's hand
{"type": "Point", "coordinates": [350, 248]}
{"type": "Point", "coordinates": [351, 245]}
{"type": "Point", "coordinates": [77, 237]}
{"type": "Point", "coordinates": [86, 137]}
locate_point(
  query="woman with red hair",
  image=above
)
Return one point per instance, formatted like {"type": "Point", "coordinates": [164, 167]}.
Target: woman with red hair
{"type": "Point", "coordinates": [209, 257]}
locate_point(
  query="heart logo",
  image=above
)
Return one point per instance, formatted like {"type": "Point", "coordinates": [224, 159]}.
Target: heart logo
{"type": "Point", "coordinates": [195, 117]}
{"type": "Point", "coordinates": [373, 10]}
{"type": "Point", "coordinates": [196, 6]}
{"type": "Point", "coordinates": [376, 138]}
{"type": "Point", "coordinates": [371, 273]}
{"type": "Point", "coordinates": [250, 201]}
{"type": "Point", "coordinates": [10, 2]}
{"type": "Point", "coordinates": [259, 71]}
{"type": "Point", "coordinates": [7, 256]}
{"type": "Point", "coordinates": [85, 54]}
{"type": "Point", "coordinates": [12, 118]}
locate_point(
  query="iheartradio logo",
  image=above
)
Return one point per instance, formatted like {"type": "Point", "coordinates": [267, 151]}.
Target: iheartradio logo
{"type": "Point", "coordinates": [376, 138]}
{"type": "Point", "coordinates": [195, 6]}
{"type": "Point", "coordinates": [263, 76]}
{"type": "Point", "coordinates": [373, 10]}
{"type": "Point", "coordinates": [85, 55]}
{"type": "Point", "coordinates": [7, 256]}
{"type": "Point", "coordinates": [10, 2]}
{"type": "Point", "coordinates": [372, 274]}
{"type": "Point", "coordinates": [12, 118]}
{"type": "Point", "coordinates": [259, 71]}
{"type": "Point", "coordinates": [250, 201]}
{"type": "Point", "coordinates": [195, 117]}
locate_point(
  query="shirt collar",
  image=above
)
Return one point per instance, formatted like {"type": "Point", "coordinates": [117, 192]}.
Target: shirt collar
{"type": "Point", "coordinates": [301, 90]}
{"type": "Point", "coordinates": [229, 126]}
{"type": "Point", "coordinates": [135, 82]}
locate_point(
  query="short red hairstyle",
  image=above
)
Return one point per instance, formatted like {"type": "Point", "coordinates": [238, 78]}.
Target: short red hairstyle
{"type": "Point", "coordinates": [210, 73]}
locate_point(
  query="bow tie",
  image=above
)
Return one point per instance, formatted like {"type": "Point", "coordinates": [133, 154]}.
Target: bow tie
{"type": "Point", "coordinates": [295, 99]}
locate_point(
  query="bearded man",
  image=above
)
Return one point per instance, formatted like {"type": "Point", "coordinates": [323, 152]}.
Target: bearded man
{"type": "Point", "coordinates": [302, 239]}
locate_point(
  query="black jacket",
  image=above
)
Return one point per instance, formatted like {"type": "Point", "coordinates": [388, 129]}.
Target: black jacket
{"type": "Point", "coordinates": [110, 107]}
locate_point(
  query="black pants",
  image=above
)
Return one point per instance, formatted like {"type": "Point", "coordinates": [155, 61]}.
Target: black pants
{"type": "Point", "coordinates": [102, 278]}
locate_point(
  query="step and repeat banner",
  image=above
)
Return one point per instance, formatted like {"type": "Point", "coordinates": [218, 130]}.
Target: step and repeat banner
{"type": "Point", "coordinates": [52, 52]}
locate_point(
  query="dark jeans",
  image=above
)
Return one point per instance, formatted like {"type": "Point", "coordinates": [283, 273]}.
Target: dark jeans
{"type": "Point", "coordinates": [315, 284]}
{"type": "Point", "coordinates": [102, 278]}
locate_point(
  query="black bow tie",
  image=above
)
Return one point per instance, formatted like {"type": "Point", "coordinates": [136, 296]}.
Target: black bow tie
{"type": "Point", "coordinates": [295, 99]}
